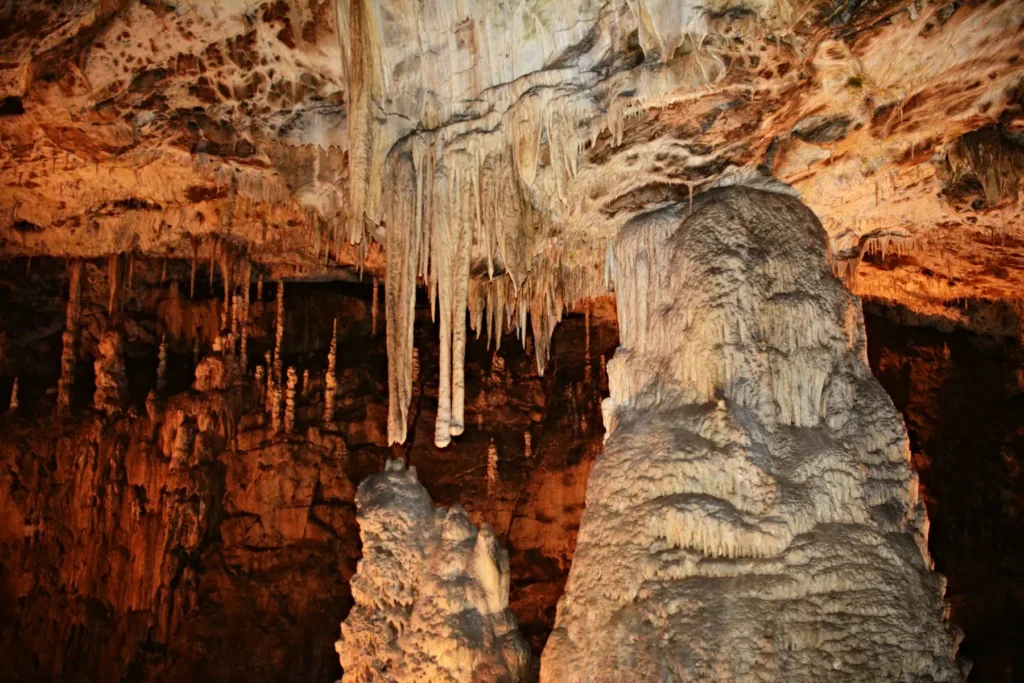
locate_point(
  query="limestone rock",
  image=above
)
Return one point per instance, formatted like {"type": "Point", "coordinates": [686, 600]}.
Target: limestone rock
{"type": "Point", "coordinates": [431, 592]}
{"type": "Point", "coordinates": [217, 373]}
{"type": "Point", "coordinates": [754, 515]}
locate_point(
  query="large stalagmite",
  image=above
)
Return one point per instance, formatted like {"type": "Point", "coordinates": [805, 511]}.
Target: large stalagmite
{"type": "Point", "coordinates": [754, 515]}
{"type": "Point", "coordinates": [431, 592]}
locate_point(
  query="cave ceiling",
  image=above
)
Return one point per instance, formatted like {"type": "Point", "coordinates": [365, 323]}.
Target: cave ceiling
{"type": "Point", "coordinates": [320, 137]}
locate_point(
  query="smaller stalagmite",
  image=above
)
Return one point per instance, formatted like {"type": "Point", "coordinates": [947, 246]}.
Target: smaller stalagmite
{"type": "Point", "coordinates": [111, 379]}
{"type": "Point", "coordinates": [492, 467]}
{"type": "Point", "coordinates": [67, 358]}
{"type": "Point", "coordinates": [431, 592]}
{"type": "Point", "coordinates": [289, 401]}
{"type": "Point", "coordinates": [279, 334]}
{"type": "Point", "coordinates": [14, 396]}
{"type": "Point", "coordinates": [331, 380]}
{"type": "Point", "coordinates": [161, 366]}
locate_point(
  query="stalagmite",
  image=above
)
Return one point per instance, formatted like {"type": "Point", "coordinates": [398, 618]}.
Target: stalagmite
{"type": "Point", "coordinates": [243, 352]}
{"type": "Point", "coordinates": [586, 355]}
{"type": "Point", "coordinates": [492, 466]}
{"type": "Point", "coordinates": [430, 592]}
{"type": "Point", "coordinates": [111, 393]}
{"type": "Point", "coordinates": [279, 335]}
{"type": "Point", "coordinates": [331, 380]}
{"type": "Point", "coordinates": [161, 366]}
{"type": "Point", "coordinates": [268, 360]}
{"type": "Point", "coordinates": [70, 337]}
{"type": "Point", "coordinates": [13, 405]}
{"type": "Point", "coordinates": [528, 445]}
{"type": "Point", "coordinates": [192, 277]}
{"type": "Point", "coordinates": [236, 310]}
{"type": "Point", "coordinates": [152, 406]}
{"type": "Point", "coordinates": [274, 400]}
{"type": "Point", "coordinates": [289, 401]}
{"type": "Point", "coordinates": [195, 350]}
{"type": "Point", "coordinates": [754, 515]}
{"type": "Point", "coordinates": [373, 309]}
{"type": "Point", "coordinates": [261, 388]}
{"type": "Point", "coordinates": [305, 384]}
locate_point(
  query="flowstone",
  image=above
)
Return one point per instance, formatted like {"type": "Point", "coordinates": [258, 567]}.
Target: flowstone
{"type": "Point", "coordinates": [754, 515]}
{"type": "Point", "coordinates": [431, 592]}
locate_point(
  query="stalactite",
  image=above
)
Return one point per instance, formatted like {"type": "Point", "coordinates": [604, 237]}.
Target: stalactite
{"type": "Point", "coordinates": [403, 249]}
{"type": "Point", "coordinates": [331, 380]}
{"type": "Point", "coordinates": [455, 211]}
{"type": "Point", "coordinates": [13, 405]}
{"type": "Point", "coordinates": [113, 280]}
{"type": "Point", "coordinates": [161, 365]}
{"type": "Point", "coordinates": [528, 445]}
{"type": "Point", "coordinates": [259, 287]}
{"type": "Point", "coordinates": [163, 271]}
{"type": "Point", "coordinates": [227, 273]}
{"type": "Point", "coordinates": [213, 258]}
{"type": "Point", "coordinates": [195, 350]}
{"type": "Point", "coordinates": [305, 384]}
{"type": "Point", "coordinates": [492, 466]}
{"type": "Point", "coordinates": [70, 337]}
{"type": "Point", "coordinates": [289, 401]}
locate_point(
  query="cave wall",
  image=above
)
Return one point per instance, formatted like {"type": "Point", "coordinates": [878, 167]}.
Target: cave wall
{"type": "Point", "coordinates": [962, 397]}
{"type": "Point", "coordinates": [130, 552]}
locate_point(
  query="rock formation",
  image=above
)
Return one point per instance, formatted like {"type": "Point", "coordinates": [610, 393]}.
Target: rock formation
{"type": "Point", "coordinates": [73, 316]}
{"type": "Point", "coordinates": [431, 592]}
{"type": "Point", "coordinates": [13, 403]}
{"type": "Point", "coordinates": [754, 515]}
{"type": "Point", "coordinates": [331, 378]}
{"type": "Point", "coordinates": [111, 393]}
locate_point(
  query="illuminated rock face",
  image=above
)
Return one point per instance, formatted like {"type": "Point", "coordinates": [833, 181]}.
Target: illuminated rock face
{"type": "Point", "coordinates": [754, 515]}
{"type": "Point", "coordinates": [431, 592]}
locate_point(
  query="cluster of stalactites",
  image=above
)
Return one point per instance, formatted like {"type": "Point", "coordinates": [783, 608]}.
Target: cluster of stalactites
{"type": "Point", "coordinates": [458, 226]}
{"type": "Point", "coordinates": [463, 195]}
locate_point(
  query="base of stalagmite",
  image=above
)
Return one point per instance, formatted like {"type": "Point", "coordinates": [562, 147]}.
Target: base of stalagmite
{"type": "Point", "coordinates": [431, 592]}
{"type": "Point", "coordinates": [754, 515]}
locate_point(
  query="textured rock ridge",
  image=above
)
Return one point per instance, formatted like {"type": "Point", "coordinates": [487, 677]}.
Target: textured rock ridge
{"type": "Point", "coordinates": [754, 515]}
{"type": "Point", "coordinates": [431, 592]}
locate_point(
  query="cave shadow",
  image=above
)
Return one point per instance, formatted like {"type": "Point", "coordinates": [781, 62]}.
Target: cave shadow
{"type": "Point", "coordinates": [962, 397]}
